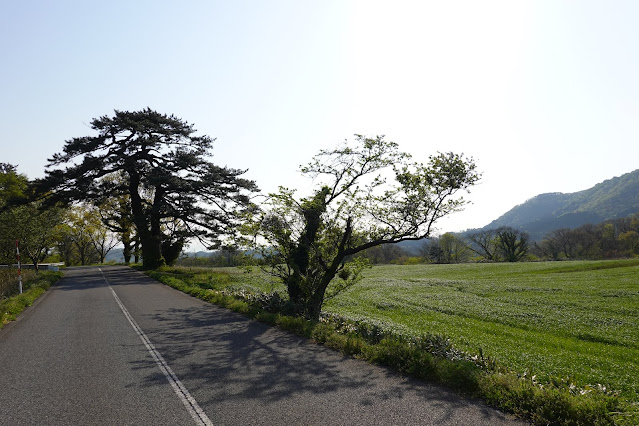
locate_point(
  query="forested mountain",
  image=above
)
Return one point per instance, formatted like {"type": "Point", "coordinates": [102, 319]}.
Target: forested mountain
{"type": "Point", "coordinates": [614, 198]}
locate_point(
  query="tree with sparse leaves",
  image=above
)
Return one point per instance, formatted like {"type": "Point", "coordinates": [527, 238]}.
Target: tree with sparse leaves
{"type": "Point", "coordinates": [484, 243]}
{"type": "Point", "coordinates": [369, 194]}
{"type": "Point", "coordinates": [166, 173]}
{"type": "Point", "coordinates": [448, 248]}
{"type": "Point", "coordinates": [512, 244]}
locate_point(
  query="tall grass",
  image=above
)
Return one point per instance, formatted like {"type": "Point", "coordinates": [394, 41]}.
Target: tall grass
{"type": "Point", "coordinates": [9, 280]}
{"type": "Point", "coordinates": [34, 285]}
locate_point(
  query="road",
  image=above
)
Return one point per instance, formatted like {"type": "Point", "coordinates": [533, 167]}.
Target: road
{"type": "Point", "coordinates": [111, 346]}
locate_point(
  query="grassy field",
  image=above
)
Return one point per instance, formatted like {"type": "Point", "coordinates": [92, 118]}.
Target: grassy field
{"type": "Point", "coordinates": [576, 320]}
{"type": "Point", "coordinates": [34, 285]}
{"type": "Point", "coordinates": [568, 319]}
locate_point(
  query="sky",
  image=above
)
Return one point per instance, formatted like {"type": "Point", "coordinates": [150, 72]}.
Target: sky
{"type": "Point", "coordinates": [544, 95]}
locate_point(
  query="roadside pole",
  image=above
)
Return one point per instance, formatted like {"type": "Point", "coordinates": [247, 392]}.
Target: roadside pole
{"type": "Point", "coordinates": [19, 270]}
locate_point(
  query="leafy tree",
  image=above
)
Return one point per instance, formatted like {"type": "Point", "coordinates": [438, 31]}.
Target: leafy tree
{"type": "Point", "coordinates": [587, 238]}
{"type": "Point", "coordinates": [29, 223]}
{"type": "Point", "coordinates": [81, 228]}
{"type": "Point", "coordinates": [511, 244]}
{"type": "Point", "coordinates": [102, 238]}
{"type": "Point", "coordinates": [566, 240]}
{"type": "Point", "coordinates": [310, 242]}
{"type": "Point", "coordinates": [548, 248]}
{"type": "Point", "coordinates": [431, 251]}
{"type": "Point", "coordinates": [34, 226]}
{"type": "Point", "coordinates": [164, 171]}
{"type": "Point", "coordinates": [484, 243]}
{"type": "Point", "coordinates": [630, 242]}
{"type": "Point", "coordinates": [610, 239]}
{"type": "Point", "coordinates": [448, 248]}
{"type": "Point", "coordinates": [12, 187]}
{"type": "Point", "coordinates": [63, 236]}
{"type": "Point", "coordinates": [454, 249]}
{"type": "Point", "coordinates": [384, 253]}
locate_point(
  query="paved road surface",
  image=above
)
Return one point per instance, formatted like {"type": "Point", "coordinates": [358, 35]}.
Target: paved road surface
{"type": "Point", "coordinates": [111, 346]}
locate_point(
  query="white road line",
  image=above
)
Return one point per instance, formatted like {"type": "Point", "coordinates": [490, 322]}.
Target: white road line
{"type": "Point", "coordinates": [189, 402]}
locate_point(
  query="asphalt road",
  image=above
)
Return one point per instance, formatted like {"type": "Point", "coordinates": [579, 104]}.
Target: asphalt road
{"type": "Point", "coordinates": [111, 346]}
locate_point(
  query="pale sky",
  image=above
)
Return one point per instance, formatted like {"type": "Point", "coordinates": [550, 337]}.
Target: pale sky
{"type": "Point", "coordinates": [543, 94]}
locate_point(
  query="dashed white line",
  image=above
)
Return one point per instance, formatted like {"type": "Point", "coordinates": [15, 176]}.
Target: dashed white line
{"type": "Point", "coordinates": [189, 402]}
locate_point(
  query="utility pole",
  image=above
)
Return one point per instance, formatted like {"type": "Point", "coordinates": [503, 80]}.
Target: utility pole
{"type": "Point", "coordinates": [19, 269]}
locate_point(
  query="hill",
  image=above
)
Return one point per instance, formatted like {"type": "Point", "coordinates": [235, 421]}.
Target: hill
{"type": "Point", "coordinates": [614, 198]}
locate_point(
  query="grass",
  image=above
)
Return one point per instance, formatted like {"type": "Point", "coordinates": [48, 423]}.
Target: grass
{"type": "Point", "coordinates": [563, 334]}
{"type": "Point", "coordinates": [34, 285]}
{"type": "Point", "coordinates": [9, 280]}
{"type": "Point", "coordinates": [572, 319]}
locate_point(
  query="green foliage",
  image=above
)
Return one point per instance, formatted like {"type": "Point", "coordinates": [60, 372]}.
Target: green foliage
{"type": "Point", "coordinates": [33, 225]}
{"type": "Point", "coordinates": [512, 245]}
{"type": "Point", "coordinates": [13, 186]}
{"type": "Point", "coordinates": [607, 240]}
{"type": "Point", "coordinates": [384, 254]}
{"type": "Point", "coordinates": [558, 404]}
{"type": "Point", "coordinates": [174, 192]}
{"type": "Point", "coordinates": [448, 248]}
{"type": "Point", "coordinates": [226, 256]}
{"type": "Point", "coordinates": [83, 238]}
{"type": "Point", "coordinates": [311, 241]}
{"type": "Point", "coordinates": [26, 222]}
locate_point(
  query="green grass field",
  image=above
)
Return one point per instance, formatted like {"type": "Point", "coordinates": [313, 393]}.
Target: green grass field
{"type": "Point", "coordinates": [568, 319]}
{"type": "Point", "coordinates": [577, 320]}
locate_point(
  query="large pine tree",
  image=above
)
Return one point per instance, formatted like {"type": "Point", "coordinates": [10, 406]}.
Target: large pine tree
{"type": "Point", "coordinates": [175, 192]}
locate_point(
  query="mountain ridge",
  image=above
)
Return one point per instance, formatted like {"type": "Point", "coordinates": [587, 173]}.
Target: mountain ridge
{"type": "Point", "coordinates": [611, 199]}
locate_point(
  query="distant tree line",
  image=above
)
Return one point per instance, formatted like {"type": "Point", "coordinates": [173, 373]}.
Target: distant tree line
{"type": "Point", "coordinates": [225, 256]}
{"type": "Point", "coordinates": [611, 239]}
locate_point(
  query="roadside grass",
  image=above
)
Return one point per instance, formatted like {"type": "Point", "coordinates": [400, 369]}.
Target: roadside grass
{"type": "Point", "coordinates": [34, 285]}
{"type": "Point", "coordinates": [9, 280]}
{"type": "Point", "coordinates": [554, 342]}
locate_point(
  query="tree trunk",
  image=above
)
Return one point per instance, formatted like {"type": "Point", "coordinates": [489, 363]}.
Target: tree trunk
{"type": "Point", "coordinates": [313, 307]}
{"type": "Point", "coordinates": [150, 241]}
{"type": "Point", "coordinates": [126, 252]}
{"type": "Point", "coordinates": [136, 250]}
{"type": "Point", "coordinates": [151, 251]}
{"type": "Point", "coordinates": [301, 254]}
{"type": "Point", "coordinates": [314, 304]}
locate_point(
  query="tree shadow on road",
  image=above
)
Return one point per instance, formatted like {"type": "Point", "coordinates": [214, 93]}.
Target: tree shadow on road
{"type": "Point", "coordinates": [232, 358]}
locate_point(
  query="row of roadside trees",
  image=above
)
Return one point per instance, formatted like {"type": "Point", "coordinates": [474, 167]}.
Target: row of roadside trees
{"type": "Point", "coordinates": [148, 178]}
{"type": "Point", "coordinates": [152, 173]}
{"type": "Point", "coordinates": [75, 235]}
